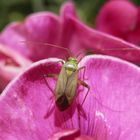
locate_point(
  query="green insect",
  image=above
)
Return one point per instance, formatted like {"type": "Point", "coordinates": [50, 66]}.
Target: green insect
{"type": "Point", "coordinates": [67, 80]}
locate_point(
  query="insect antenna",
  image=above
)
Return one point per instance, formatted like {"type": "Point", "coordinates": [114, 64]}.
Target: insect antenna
{"type": "Point", "coordinates": [50, 109]}
{"type": "Point", "coordinates": [51, 45]}
{"type": "Point", "coordinates": [119, 49]}
{"type": "Point", "coordinates": [79, 57]}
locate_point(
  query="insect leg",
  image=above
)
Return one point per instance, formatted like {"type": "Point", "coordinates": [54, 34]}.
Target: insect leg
{"type": "Point", "coordinates": [50, 108]}
{"type": "Point", "coordinates": [85, 85]}
{"type": "Point", "coordinates": [51, 76]}
{"type": "Point", "coordinates": [61, 61]}
{"type": "Point", "coordinates": [84, 68]}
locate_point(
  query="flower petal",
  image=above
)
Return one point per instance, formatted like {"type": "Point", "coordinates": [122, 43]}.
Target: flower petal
{"type": "Point", "coordinates": [113, 18]}
{"type": "Point", "coordinates": [39, 27]}
{"type": "Point", "coordinates": [12, 36]}
{"type": "Point", "coordinates": [68, 9]}
{"type": "Point", "coordinates": [112, 105]}
{"type": "Point", "coordinates": [81, 38]}
{"type": "Point", "coordinates": [43, 27]}
{"type": "Point", "coordinates": [69, 35]}
{"type": "Point", "coordinates": [72, 134]}
{"type": "Point", "coordinates": [11, 63]}
{"type": "Point", "coordinates": [69, 32]}
{"type": "Point", "coordinates": [133, 36]}
{"type": "Point", "coordinates": [110, 111]}
{"type": "Point", "coordinates": [99, 42]}
{"type": "Point", "coordinates": [26, 101]}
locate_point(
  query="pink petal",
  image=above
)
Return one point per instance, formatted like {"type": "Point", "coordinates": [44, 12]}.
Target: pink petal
{"type": "Point", "coordinates": [69, 32]}
{"type": "Point", "coordinates": [44, 27]}
{"type": "Point", "coordinates": [67, 10]}
{"type": "Point", "coordinates": [12, 36]}
{"type": "Point", "coordinates": [134, 35]}
{"type": "Point", "coordinates": [72, 134]}
{"type": "Point", "coordinates": [82, 39]}
{"type": "Point", "coordinates": [117, 17]}
{"type": "Point", "coordinates": [110, 111]}
{"type": "Point", "coordinates": [39, 27]}
{"type": "Point", "coordinates": [26, 111]}
{"type": "Point", "coordinates": [11, 63]}
{"type": "Point", "coordinates": [112, 105]}
{"type": "Point", "coordinates": [98, 42]}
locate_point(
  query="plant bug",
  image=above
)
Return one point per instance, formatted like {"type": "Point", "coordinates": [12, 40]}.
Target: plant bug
{"type": "Point", "coordinates": [67, 84]}
{"type": "Point", "coordinates": [67, 80]}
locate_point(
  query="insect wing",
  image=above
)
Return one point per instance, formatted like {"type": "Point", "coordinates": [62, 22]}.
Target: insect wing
{"type": "Point", "coordinates": [61, 83]}
{"type": "Point", "coordinates": [71, 86]}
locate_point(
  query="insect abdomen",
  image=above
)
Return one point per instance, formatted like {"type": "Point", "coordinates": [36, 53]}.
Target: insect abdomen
{"type": "Point", "coordinates": [62, 103]}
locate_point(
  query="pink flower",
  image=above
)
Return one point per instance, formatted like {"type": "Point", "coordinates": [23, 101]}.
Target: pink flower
{"type": "Point", "coordinates": [68, 32]}
{"type": "Point", "coordinates": [121, 19]}
{"type": "Point", "coordinates": [70, 134]}
{"type": "Point", "coordinates": [110, 111]}
{"type": "Point", "coordinates": [134, 35]}
{"type": "Point", "coordinates": [11, 64]}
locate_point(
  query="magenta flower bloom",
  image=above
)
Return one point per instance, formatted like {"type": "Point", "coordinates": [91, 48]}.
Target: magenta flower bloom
{"type": "Point", "coordinates": [11, 63]}
{"type": "Point", "coordinates": [110, 111]}
{"type": "Point", "coordinates": [133, 36]}
{"type": "Point", "coordinates": [121, 19]}
{"type": "Point", "coordinates": [66, 31]}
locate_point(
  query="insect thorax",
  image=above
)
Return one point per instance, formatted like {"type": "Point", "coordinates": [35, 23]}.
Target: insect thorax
{"type": "Point", "coordinates": [71, 65]}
